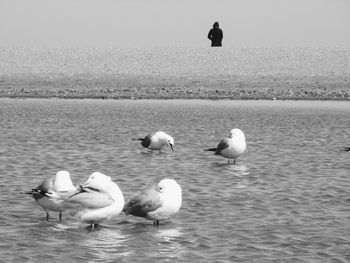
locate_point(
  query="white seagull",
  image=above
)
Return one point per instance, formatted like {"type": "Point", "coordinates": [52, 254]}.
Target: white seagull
{"type": "Point", "coordinates": [100, 199]}
{"type": "Point", "coordinates": [156, 141]}
{"type": "Point", "coordinates": [231, 147]}
{"type": "Point", "coordinates": [156, 204]}
{"type": "Point", "coordinates": [48, 193]}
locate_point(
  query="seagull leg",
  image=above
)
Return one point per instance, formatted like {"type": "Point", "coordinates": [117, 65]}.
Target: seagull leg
{"type": "Point", "coordinates": [155, 222]}
{"type": "Point", "coordinates": [47, 216]}
{"type": "Point", "coordinates": [60, 216]}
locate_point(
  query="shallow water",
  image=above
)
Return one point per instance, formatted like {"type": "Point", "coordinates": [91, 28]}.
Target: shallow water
{"type": "Point", "coordinates": [286, 200]}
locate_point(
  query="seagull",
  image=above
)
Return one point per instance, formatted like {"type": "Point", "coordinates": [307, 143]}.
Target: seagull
{"type": "Point", "coordinates": [156, 141]}
{"type": "Point", "coordinates": [48, 192]}
{"type": "Point", "coordinates": [231, 147]}
{"type": "Point", "coordinates": [157, 203]}
{"type": "Point", "coordinates": [100, 199]}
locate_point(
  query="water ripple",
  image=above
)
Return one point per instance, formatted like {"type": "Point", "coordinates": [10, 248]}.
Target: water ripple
{"type": "Point", "coordinates": [286, 200]}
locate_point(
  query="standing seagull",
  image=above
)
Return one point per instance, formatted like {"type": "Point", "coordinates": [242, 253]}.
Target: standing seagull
{"type": "Point", "coordinates": [100, 199]}
{"type": "Point", "coordinates": [47, 192]}
{"type": "Point", "coordinates": [231, 147]}
{"type": "Point", "coordinates": [156, 204]}
{"type": "Point", "coordinates": [156, 141]}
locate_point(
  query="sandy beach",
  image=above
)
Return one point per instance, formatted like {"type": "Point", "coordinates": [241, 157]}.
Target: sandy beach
{"type": "Point", "coordinates": [171, 73]}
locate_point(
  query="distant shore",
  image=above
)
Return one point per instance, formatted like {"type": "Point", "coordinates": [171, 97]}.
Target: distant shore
{"type": "Point", "coordinates": [143, 88]}
{"type": "Point", "coordinates": [176, 73]}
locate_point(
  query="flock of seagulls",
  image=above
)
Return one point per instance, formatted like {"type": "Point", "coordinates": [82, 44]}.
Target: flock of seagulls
{"type": "Point", "coordinates": [100, 199]}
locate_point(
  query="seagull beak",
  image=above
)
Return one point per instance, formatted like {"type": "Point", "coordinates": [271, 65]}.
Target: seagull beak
{"type": "Point", "coordinates": [171, 146]}
{"type": "Point", "coordinates": [86, 184]}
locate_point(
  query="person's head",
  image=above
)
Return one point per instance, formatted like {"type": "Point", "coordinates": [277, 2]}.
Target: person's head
{"type": "Point", "coordinates": [216, 25]}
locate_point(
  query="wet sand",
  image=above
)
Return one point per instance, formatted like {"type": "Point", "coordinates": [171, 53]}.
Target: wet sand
{"type": "Point", "coordinates": [176, 73]}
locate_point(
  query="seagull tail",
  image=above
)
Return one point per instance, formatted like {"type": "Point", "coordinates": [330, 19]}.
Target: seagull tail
{"type": "Point", "coordinates": [28, 192]}
{"type": "Point", "coordinates": [210, 150]}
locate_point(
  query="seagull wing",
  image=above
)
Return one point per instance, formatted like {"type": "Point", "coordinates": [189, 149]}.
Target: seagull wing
{"type": "Point", "coordinates": [145, 202]}
{"type": "Point", "coordinates": [90, 198]}
{"type": "Point", "coordinates": [147, 140]}
{"type": "Point", "coordinates": [223, 144]}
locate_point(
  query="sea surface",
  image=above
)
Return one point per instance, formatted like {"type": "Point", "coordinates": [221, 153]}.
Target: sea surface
{"type": "Point", "coordinates": [286, 200]}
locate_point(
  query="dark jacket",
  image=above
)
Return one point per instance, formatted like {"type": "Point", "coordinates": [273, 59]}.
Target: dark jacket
{"type": "Point", "coordinates": [215, 35]}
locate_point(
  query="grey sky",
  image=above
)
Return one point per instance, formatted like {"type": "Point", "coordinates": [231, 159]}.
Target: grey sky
{"type": "Point", "coordinates": [148, 23]}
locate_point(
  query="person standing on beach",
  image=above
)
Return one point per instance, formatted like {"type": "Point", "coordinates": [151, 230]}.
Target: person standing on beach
{"type": "Point", "coordinates": [215, 35]}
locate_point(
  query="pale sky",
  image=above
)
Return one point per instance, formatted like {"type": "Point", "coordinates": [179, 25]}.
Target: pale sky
{"type": "Point", "coordinates": [164, 23]}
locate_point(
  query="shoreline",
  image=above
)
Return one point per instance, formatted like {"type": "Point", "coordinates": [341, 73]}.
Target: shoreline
{"type": "Point", "coordinates": [38, 95]}
{"type": "Point", "coordinates": [143, 87]}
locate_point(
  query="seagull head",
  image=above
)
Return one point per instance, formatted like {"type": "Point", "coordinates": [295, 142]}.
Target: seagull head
{"type": "Point", "coordinates": [97, 181]}
{"type": "Point", "coordinates": [166, 139]}
{"type": "Point", "coordinates": [236, 133]}
{"type": "Point", "coordinates": [168, 186]}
